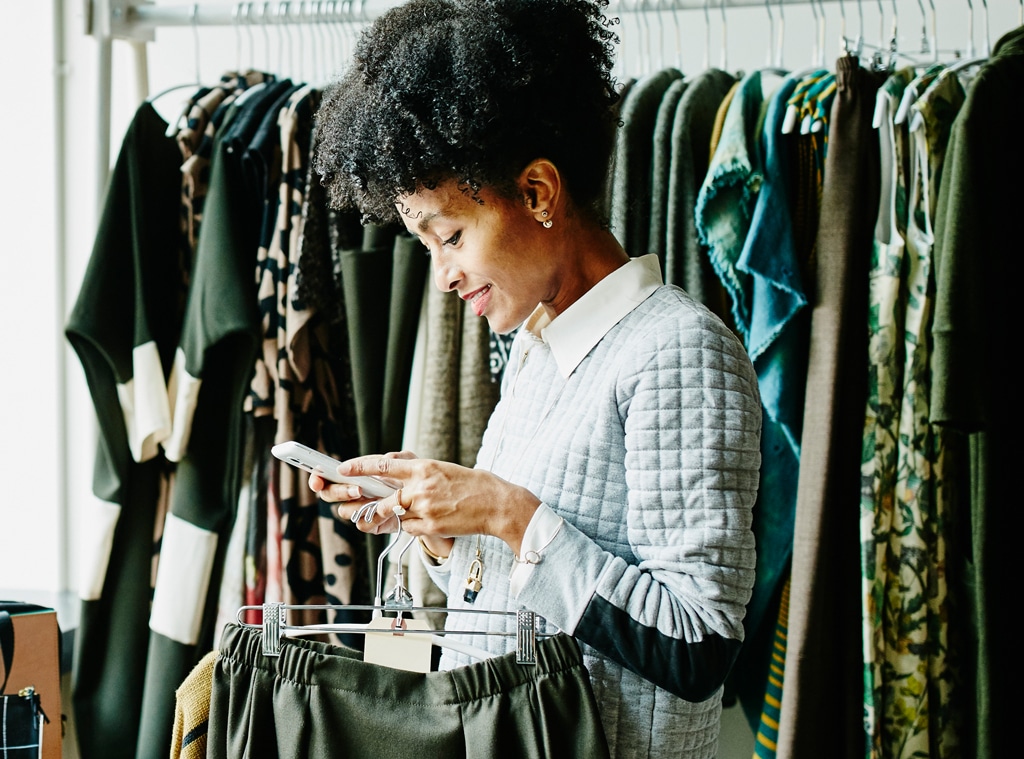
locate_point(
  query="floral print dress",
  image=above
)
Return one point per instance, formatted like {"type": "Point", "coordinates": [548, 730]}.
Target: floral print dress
{"type": "Point", "coordinates": [905, 498]}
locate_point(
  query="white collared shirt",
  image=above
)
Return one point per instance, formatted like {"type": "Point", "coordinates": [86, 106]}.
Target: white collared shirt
{"type": "Point", "coordinates": [571, 336]}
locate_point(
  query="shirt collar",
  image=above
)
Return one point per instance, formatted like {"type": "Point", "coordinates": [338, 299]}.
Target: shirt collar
{"type": "Point", "coordinates": [575, 331]}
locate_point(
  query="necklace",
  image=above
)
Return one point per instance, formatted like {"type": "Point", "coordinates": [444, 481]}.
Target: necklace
{"type": "Point", "coordinates": [474, 579]}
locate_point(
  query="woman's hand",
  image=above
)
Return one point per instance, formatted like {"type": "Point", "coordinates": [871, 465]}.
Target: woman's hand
{"type": "Point", "coordinates": [435, 499]}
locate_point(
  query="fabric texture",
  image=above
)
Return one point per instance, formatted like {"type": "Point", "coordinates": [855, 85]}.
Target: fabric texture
{"type": "Point", "coordinates": [192, 710]}
{"type": "Point", "coordinates": [631, 190]}
{"type": "Point", "coordinates": [661, 164]}
{"type": "Point", "coordinates": [686, 261]}
{"type": "Point", "coordinates": [823, 652]}
{"type": "Point", "coordinates": [649, 450]}
{"type": "Point", "coordinates": [317, 701]}
{"type": "Point", "coordinates": [728, 195]}
{"type": "Point", "coordinates": [137, 250]}
{"type": "Point", "coordinates": [977, 244]}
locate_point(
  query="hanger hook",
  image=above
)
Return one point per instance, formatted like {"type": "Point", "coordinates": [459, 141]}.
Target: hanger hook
{"type": "Point", "coordinates": [988, 39]}
{"type": "Point", "coordinates": [815, 53]}
{"type": "Point", "coordinates": [781, 38]}
{"type": "Point", "coordinates": [822, 30]}
{"type": "Point", "coordinates": [970, 29]}
{"type": "Point", "coordinates": [284, 39]}
{"type": "Point", "coordinates": [771, 32]}
{"type": "Point", "coordinates": [194, 19]}
{"type": "Point", "coordinates": [707, 36]}
{"type": "Point", "coordinates": [843, 39]}
{"type": "Point", "coordinates": [236, 15]}
{"type": "Point", "coordinates": [725, 38]}
{"type": "Point", "coordinates": [679, 35]}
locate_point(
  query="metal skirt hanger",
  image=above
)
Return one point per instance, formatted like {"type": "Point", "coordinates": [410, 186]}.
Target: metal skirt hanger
{"type": "Point", "coordinates": [275, 627]}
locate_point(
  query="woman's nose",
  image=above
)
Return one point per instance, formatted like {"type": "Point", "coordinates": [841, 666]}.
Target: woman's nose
{"type": "Point", "coordinates": [446, 275]}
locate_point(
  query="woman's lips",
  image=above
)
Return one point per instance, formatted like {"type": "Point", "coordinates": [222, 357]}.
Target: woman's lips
{"type": "Point", "coordinates": [479, 299]}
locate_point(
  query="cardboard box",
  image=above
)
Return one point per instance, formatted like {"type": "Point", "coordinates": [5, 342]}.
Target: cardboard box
{"type": "Point", "coordinates": [37, 663]}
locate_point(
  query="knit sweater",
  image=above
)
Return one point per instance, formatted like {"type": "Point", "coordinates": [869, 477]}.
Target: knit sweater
{"type": "Point", "coordinates": [649, 450]}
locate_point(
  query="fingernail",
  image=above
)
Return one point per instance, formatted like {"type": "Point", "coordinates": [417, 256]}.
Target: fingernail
{"type": "Point", "coordinates": [354, 491]}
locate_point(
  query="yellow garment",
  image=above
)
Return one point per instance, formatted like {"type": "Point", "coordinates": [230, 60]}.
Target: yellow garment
{"type": "Point", "coordinates": [192, 710]}
{"type": "Point", "coordinates": [723, 108]}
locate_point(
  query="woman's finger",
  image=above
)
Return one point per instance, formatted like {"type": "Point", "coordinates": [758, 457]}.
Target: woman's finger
{"type": "Point", "coordinates": [392, 466]}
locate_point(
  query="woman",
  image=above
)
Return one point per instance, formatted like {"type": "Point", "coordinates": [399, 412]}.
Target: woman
{"type": "Point", "coordinates": [613, 488]}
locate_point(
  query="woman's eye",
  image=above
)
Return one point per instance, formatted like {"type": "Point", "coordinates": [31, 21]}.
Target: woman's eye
{"type": "Point", "coordinates": [453, 239]}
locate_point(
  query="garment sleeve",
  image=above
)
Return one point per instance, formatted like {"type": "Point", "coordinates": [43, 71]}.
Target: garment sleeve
{"type": "Point", "coordinates": [691, 415]}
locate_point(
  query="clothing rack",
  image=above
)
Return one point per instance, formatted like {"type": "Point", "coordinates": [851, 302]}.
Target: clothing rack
{"type": "Point", "coordinates": [135, 21]}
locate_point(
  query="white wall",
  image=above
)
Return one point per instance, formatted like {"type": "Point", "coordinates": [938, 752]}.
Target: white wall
{"type": "Point", "coordinates": [30, 542]}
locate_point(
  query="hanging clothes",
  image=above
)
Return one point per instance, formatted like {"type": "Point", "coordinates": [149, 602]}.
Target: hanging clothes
{"type": "Point", "coordinates": [631, 183]}
{"type": "Point", "coordinates": [823, 649]}
{"type": "Point", "coordinates": [976, 246]}
{"type": "Point", "coordinates": [661, 165]}
{"type": "Point", "coordinates": [124, 329]}
{"type": "Point", "coordinates": [686, 260]}
{"type": "Point", "coordinates": [907, 475]}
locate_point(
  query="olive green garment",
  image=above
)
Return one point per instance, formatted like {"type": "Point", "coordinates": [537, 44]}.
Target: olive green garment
{"type": "Point", "coordinates": [974, 368]}
{"type": "Point", "coordinates": [317, 701]}
{"type": "Point", "coordinates": [686, 260]}
{"type": "Point", "coordinates": [631, 172]}
{"type": "Point", "coordinates": [383, 286]}
{"type": "Point", "coordinates": [661, 161]}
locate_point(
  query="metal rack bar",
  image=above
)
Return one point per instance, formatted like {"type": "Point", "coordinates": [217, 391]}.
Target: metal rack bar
{"type": "Point", "coordinates": [127, 19]}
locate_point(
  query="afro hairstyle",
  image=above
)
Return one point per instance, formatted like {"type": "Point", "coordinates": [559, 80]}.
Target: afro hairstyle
{"type": "Point", "coordinates": [471, 90]}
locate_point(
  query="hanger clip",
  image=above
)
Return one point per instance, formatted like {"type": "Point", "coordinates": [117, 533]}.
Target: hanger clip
{"type": "Point", "coordinates": [273, 624]}
{"type": "Point", "coordinates": [526, 637]}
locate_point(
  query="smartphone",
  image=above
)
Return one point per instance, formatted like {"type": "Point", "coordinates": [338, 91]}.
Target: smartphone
{"type": "Point", "coordinates": [323, 465]}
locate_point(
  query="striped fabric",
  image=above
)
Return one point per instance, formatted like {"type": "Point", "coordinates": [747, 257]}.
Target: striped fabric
{"type": "Point", "coordinates": [768, 730]}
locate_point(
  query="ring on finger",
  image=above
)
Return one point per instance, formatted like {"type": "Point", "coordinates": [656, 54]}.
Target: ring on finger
{"type": "Point", "coordinates": [399, 509]}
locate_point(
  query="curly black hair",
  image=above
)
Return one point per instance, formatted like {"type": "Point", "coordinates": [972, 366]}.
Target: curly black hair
{"type": "Point", "coordinates": [471, 90]}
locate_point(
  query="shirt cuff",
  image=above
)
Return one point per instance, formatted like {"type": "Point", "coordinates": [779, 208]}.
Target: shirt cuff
{"type": "Point", "coordinates": [543, 526]}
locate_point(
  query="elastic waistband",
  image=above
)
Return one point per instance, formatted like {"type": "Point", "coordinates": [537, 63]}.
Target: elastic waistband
{"type": "Point", "coordinates": [342, 669]}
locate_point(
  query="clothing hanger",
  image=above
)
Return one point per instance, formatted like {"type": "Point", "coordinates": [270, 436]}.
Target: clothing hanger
{"type": "Point", "coordinates": [817, 55]}
{"type": "Point", "coordinates": [679, 36]}
{"type": "Point", "coordinates": [780, 46]}
{"type": "Point", "coordinates": [284, 41]}
{"type": "Point", "coordinates": [844, 41]}
{"type": "Point", "coordinates": [928, 44]}
{"type": "Point", "coordinates": [274, 625]}
{"type": "Point", "coordinates": [725, 40]}
{"type": "Point", "coordinates": [769, 68]}
{"type": "Point", "coordinates": [645, 59]}
{"type": "Point", "coordinates": [194, 86]}
{"type": "Point", "coordinates": [707, 37]}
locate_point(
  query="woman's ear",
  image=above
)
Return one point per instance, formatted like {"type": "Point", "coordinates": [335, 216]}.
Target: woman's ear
{"type": "Point", "coordinates": [541, 186]}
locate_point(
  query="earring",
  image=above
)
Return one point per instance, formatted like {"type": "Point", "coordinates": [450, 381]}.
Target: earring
{"type": "Point", "coordinates": [547, 223]}
{"type": "Point", "coordinates": [544, 214]}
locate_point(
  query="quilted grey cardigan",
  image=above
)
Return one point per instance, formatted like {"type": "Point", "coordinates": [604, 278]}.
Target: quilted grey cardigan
{"type": "Point", "coordinates": [650, 452]}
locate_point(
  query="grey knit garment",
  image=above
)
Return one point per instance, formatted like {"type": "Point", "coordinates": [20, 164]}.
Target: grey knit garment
{"type": "Point", "coordinates": [650, 451]}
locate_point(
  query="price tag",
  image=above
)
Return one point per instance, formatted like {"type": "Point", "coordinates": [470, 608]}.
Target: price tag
{"type": "Point", "coordinates": [392, 649]}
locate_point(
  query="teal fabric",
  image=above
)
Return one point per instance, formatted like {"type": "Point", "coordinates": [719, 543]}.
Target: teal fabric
{"type": "Point", "coordinates": [727, 198]}
{"type": "Point", "coordinates": [317, 701]}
